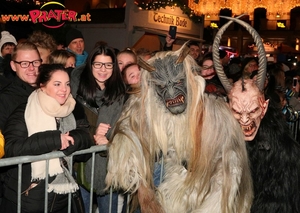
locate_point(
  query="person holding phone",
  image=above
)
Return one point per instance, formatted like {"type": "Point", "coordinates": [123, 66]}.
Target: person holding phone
{"type": "Point", "coordinates": [193, 45]}
{"type": "Point", "coordinates": [169, 43]}
{"type": "Point", "coordinates": [170, 38]}
{"type": "Point", "coordinates": [295, 82]}
{"type": "Point", "coordinates": [173, 31]}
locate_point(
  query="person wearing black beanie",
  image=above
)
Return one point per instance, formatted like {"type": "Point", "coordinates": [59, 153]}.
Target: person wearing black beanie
{"type": "Point", "coordinates": [75, 44]}
{"type": "Point", "coordinates": [224, 59]}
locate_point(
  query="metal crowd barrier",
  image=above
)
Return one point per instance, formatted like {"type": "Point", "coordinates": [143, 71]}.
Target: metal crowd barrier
{"type": "Point", "coordinates": [295, 129]}
{"type": "Point", "coordinates": [57, 154]}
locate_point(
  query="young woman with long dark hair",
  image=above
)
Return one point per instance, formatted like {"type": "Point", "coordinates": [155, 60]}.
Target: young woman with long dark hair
{"type": "Point", "coordinates": [98, 85]}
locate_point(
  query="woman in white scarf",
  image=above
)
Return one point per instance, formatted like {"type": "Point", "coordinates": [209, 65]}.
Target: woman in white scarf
{"type": "Point", "coordinates": [50, 126]}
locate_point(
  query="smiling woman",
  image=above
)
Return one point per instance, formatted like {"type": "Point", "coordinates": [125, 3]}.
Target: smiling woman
{"type": "Point", "coordinates": [57, 86]}
{"type": "Point", "coordinates": [99, 87]}
{"type": "Point", "coordinates": [48, 122]}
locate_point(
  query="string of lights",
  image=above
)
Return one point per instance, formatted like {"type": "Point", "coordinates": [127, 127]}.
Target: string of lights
{"type": "Point", "coordinates": [156, 5]}
{"type": "Point", "coordinates": [197, 9]}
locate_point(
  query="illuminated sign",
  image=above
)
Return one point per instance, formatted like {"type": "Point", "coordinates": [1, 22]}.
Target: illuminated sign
{"type": "Point", "coordinates": [169, 19]}
{"type": "Point", "coordinates": [52, 15]}
{"type": "Point", "coordinates": [280, 24]}
{"type": "Point", "coordinates": [213, 25]}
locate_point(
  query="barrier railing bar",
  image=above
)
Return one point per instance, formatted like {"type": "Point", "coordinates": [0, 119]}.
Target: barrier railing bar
{"type": "Point", "coordinates": [297, 130]}
{"type": "Point", "coordinates": [128, 202]}
{"type": "Point", "coordinates": [46, 187]}
{"type": "Point", "coordinates": [69, 195]}
{"type": "Point", "coordinates": [92, 182]}
{"type": "Point", "coordinates": [55, 154]}
{"type": "Point", "coordinates": [19, 187]}
{"type": "Point", "coordinates": [110, 200]}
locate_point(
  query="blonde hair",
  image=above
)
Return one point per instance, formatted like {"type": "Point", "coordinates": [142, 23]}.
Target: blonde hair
{"type": "Point", "coordinates": [60, 57]}
{"type": "Point", "coordinates": [26, 45]}
{"type": "Point", "coordinates": [128, 51]}
{"type": "Point", "coordinates": [43, 40]}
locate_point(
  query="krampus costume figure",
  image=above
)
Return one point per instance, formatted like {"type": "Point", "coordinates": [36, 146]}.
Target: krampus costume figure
{"type": "Point", "coordinates": [205, 161]}
{"type": "Point", "coordinates": [273, 153]}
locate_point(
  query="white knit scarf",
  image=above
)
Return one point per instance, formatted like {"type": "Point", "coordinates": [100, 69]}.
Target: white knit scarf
{"type": "Point", "coordinates": [40, 114]}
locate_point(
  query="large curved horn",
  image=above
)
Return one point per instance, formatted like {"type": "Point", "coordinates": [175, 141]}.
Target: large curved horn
{"type": "Point", "coordinates": [145, 65]}
{"type": "Point", "coordinates": [216, 58]}
{"type": "Point", "coordinates": [184, 52]}
{"type": "Point", "coordinates": [262, 61]}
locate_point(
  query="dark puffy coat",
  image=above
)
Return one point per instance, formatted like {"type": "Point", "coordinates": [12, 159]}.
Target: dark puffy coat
{"type": "Point", "coordinates": [11, 96]}
{"type": "Point", "coordinates": [19, 144]}
{"type": "Point", "coordinates": [214, 86]}
{"type": "Point", "coordinates": [3, 81]}
{"type": "Point", "coordinates": [274, 158]}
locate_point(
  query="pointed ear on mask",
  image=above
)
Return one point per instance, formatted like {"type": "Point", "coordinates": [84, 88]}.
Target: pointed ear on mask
{"type": "Point", "coordinates": [265, 108]}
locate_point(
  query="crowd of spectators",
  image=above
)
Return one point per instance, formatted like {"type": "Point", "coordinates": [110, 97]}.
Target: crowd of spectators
{"type": "Point", "coordinates": [99, 83]}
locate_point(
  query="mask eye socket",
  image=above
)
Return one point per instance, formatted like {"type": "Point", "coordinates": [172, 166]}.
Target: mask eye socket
{"type": "Point", "coordinates": [236, 112]}
{"type": "Point", "coordinates": [253, 111]}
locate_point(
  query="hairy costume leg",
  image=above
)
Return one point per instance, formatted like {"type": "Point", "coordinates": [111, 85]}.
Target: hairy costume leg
{"type": "Point", "coordinates": [224, 173]}
{"type": "Point", "coordinates": [127, 176]}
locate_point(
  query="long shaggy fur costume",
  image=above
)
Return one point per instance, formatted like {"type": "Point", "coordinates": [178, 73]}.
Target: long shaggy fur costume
{"type": "Point", "coordinates": [275, 166]}
{"type": "Point", "coordinates": [206, 163]}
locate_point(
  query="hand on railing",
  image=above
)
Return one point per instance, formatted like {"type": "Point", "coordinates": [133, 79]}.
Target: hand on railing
{"type": "Point", "coordinates": [100, 139]}
{"type": "Point", "coordinates": [66, 140]}
{"type": "Point", "coordinates": [102, 129]}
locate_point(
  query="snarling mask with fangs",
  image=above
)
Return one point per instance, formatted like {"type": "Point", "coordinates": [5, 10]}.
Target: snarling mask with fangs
{"type": "Point", "coordinates": [176, 101]}
{"type": "Point", "coordinates": [248, 105]}
{"type": "Point", "coordinates": [249, 129]}
{"type": "Point", "coordinates": [170, 84]}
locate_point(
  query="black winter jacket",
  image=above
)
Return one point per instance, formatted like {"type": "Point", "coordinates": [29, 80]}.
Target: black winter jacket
{"type": "Point", "coordinates": [11, 96]}
{"type": "Point", "coordinates": [275, 166]}
{"type": "Point", "coordinates": [19, 144]}
{"type": "Point", "coordinates": [3, 81]}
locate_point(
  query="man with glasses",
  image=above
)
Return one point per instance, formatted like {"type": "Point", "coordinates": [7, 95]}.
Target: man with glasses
{"type": "Point", "coordinates": [25, 61]}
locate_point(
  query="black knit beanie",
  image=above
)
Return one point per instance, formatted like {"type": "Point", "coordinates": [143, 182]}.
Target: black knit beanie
{"type": "Point", "coordinates": [73, 34]}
